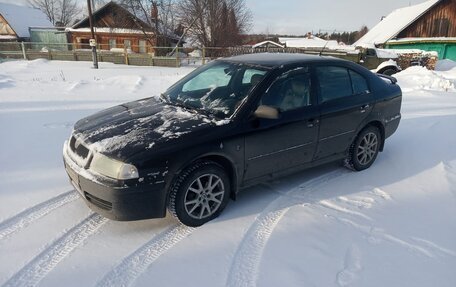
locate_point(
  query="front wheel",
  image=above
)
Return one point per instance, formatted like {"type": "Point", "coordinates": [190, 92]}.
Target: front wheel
{"type": "Point", "coordinates": [199, 194]}
{"type": "Point", "coordinates": [364, 150]}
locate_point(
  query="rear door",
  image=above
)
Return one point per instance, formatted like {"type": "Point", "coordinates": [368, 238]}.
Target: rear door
{"type": "Point", "coordinates": [345, 101]}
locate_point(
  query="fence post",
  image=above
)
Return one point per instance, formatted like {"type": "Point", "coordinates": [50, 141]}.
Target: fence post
{"type": "Point", "coordinates": [204, 55]}
{"type": "Point", "coordinates": [23, 51]}
{"type": "Point", "coordinates": [126, 55]}
{"type": "Point", "coordinates": [177, 57]}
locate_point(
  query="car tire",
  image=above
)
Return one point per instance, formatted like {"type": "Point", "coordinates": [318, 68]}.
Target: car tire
{"type": "Point", "coordinates": [364, 149]}
{"type": "Point", "coordinates": [389, 72]}
{"type": "Point", "coordinates": [199, 193]}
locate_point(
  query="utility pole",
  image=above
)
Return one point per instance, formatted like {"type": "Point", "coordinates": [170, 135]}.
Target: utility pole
{"type": "Point", "coordinates": [93, 42]}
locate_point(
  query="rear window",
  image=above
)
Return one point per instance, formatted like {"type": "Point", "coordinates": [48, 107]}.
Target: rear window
{"type": "Point", "coordinates": [359, 83]}
{"type": "Point", "coordinates": [334, 83]}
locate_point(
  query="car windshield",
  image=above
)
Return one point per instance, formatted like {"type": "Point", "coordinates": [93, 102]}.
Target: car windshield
{"type": "Point", "coordinates": [217, 88]}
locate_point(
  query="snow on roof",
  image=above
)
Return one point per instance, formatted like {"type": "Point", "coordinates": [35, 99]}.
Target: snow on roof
{"type": "Point", "coordinates": [20, 18]}
{"type": "Point", "coordinates": [108, 30]}
{"type": "Point", "coordinates": [267, 42]}
{"type": "Point", "coordinates": [395, 22]}
{"type": "Point", "coordinates": [308, 42]}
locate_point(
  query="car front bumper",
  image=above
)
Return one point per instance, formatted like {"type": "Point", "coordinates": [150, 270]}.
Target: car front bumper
{"type": "Point", "coordinates": [117, 201]}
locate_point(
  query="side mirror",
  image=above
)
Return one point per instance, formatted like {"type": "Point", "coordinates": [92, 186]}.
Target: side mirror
{"type": "Point", "coordinates": [266, 112]}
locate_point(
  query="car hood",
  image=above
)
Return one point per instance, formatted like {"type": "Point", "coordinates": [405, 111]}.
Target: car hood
{"type": "Point", "coordinates": [143, 125]}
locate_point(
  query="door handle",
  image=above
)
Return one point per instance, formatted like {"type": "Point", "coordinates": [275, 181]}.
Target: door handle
{"type": "Point", "coordinates": [312, 122]}
{"type": "Point", "coordinates": [364, 108]}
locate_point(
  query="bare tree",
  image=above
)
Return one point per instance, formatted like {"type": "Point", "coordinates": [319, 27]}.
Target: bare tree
{"type": "Point", "coordinates": [158, 14]}
{"type": "Point", "coordinates": [215, 23]}
{"type": "Point", "coordinates": [59, 12]}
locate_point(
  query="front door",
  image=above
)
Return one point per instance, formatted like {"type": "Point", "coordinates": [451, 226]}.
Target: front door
{"type": "Point", "coordinates": [275, 145]}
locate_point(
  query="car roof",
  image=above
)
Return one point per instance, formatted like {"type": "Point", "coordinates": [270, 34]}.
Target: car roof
{"type": "Point", "coordinates": [279, 59]}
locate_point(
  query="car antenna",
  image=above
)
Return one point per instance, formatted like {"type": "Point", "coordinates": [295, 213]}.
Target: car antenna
{"type": "Point", "coordinates": [327, 41]}
{"type": "Point", "coordinates": [322, 49]}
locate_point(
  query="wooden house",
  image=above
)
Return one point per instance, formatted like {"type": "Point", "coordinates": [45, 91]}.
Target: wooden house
{"type": "Point", "coordinates": [116, 28]}
{"type": "Point", "coordinates": [16, 22]}
{"type": "Point", "coordinates": [429, 26]}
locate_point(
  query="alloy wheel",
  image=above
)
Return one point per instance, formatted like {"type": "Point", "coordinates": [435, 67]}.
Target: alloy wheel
{"type": "Point", "coordinates": [367, 148]}
{"type": "Point", "coordinates": [204, 196]}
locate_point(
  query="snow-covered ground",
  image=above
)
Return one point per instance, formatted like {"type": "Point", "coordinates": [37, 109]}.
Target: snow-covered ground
{"type": "Point", "coordinates": [391, 225]}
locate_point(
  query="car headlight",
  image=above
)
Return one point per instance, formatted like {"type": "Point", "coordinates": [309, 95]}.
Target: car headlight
{"type": "Point", "coordinates": [113, 168]}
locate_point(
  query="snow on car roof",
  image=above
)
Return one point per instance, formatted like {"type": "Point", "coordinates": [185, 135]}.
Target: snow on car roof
{"type": "Point", "coordinates": [395, 22]}
{"type": "Point", "coordinates": [21, 18]}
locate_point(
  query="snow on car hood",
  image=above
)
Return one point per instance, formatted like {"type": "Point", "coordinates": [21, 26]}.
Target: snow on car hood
{"type": "Point", "coordinates": [132, 127]}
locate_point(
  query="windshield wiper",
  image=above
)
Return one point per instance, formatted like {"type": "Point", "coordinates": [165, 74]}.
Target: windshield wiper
{"type": "Point", "coordinates": [164, 98]}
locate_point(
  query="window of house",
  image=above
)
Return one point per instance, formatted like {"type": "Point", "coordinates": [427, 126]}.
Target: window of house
{"type": "Point", "coordinates": [334, 83]}
{"type": "Point", "coordinates": [127, 44]}
{"type": "Point", "coordinates": [142, 46]}
{"type": "Point", "coordinates": [112, 43]}
{"type": "Point", "coordinates": [441, 28]}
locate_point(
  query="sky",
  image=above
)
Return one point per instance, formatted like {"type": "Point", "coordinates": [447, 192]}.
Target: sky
{"type": "Point", "coordinates": [297, 17]}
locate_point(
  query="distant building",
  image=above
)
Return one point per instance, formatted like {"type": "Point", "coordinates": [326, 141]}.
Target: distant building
{"type": "Point", "coordinates": [310, 41]}
{"type": "Point", "coordinates": [16, 22]}
{"type": "Point", "coordinates": [117, 28]}
{"type": "Point", "coordinates": [429, 26]}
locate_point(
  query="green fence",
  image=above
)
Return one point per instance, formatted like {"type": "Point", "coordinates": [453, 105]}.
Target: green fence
{"type": "Point", "coordinates": [445, 49]}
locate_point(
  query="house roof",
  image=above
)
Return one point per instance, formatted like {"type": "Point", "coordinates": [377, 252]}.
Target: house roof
{"type": "Point", "coordinates": [21, 18]}
{"type": "Point", "coordinates": [395, 23]}
{"type": "Point", "coordinates": [312, 42]}
{"type": "Point", "coordinates": [132, 22]}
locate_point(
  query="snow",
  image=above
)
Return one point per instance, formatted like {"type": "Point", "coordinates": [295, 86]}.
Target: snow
{"type": "Point", "coordinates": [108, 30]}
{"type": "Point", "coordinates": [445, 65]}
{"type": "Point", "coordinates": [423, 39]}
{"type": "Point", "coordinates": [267, 42]}
{"type": "Point", "coordinates": [21, 18]}
{"type": "Point", "coordinates": [313, 42]}
{"type": "Point", "coordinates": [394, 23]}
{"type": "Point", "coordinates": [391, 225]}
{"type": "Point", "coordinates": [386, 54]}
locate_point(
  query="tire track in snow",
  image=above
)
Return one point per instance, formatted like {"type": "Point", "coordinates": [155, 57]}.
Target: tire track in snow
{"type": "Point", "coordinates": [245, 266]}
{"type": "Point", "coordinates": [23, 219]}
{"type": "Point", "coordinates": [137, 262]}
{"type": "Point", "coordinates": [376, 235]}
{"type": "Point", "coordinates": [32, 273]}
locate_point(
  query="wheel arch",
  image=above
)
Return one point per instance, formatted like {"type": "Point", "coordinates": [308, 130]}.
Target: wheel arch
{"type": "Point", "coordinates": [385, 68]}
{"type": "Point", "coordinates": [378, 124]}
{"type": "Point", "coordinates": [224, 161]}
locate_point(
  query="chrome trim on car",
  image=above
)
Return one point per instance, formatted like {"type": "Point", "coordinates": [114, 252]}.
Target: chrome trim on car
{"type": "Point", "coordinates": [279, 151]}
{"type": "Point", "coordinates": [338, 135]}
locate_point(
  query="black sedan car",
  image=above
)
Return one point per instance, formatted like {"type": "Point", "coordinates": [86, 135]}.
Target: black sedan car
{"type": "Point", "coordinates": [229, 124]}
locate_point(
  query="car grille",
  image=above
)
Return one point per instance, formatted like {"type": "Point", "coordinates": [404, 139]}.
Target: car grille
{"type": "Point", "coordinates": [103, 204]}
{"type": "Point", "coordinates": [78, 148]}
{"type": "Point", "coordinates": [79, 152]}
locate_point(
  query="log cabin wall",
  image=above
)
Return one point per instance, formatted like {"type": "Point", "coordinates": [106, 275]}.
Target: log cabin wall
{"type": "Point", "coordinates": [5, 28]}
{"type": "Point", "coordinates": [439, 21]}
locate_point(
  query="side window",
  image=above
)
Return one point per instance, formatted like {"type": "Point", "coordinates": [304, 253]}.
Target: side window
{"type": "Point", "coordinates": [334, 83]}
{"type": "Point", "coordinates": [252, 76]}
{"type": "Point", "coordinates": [359, 83]}
{"type": "Point", "coordinates": [290, 91]}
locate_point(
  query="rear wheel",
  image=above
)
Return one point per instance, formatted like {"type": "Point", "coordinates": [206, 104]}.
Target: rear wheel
{"type": "Point", "coordinates": [200, 193]}
{"type": "Point", "coordinates": [364, 150]}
